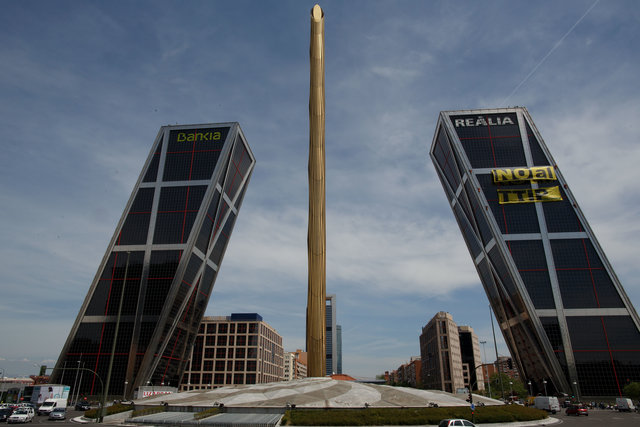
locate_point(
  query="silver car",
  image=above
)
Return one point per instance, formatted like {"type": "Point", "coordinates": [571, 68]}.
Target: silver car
{"type": "Point", "coordinates": [58, 414]}
{"type": "Point", "coordinates": [20, 415]}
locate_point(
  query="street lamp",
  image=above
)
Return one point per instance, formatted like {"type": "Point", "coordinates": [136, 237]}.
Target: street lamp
{"type": "Point", "coordinates": [75, 383]}
{"type": "Point", "coordinates": [511, 387]}
{"type": "Point", "coordinates": [575, 385]}
{"type": "Point", "coordinates": [115, 334]}
{"type": "Point", "coordinates": [484, 351]}
{"type": "Point", "coordinates": [1, 383]}
{"type": "Point", "coordinates": [530, 391]}
{"type": "Point", "coordinates": [125, 389]}
{"type": "Point", "coordinates": [545, 386]}
{"type": "Point", "coordinates": [103, 394]}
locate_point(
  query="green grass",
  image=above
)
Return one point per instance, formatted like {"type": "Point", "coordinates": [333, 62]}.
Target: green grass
{"type": "Point", "coordinates": [148, 411]}
{"type": "Point", "coordinates": [206, 413]}
{"type": "Point", "coordinates": [408, 416]}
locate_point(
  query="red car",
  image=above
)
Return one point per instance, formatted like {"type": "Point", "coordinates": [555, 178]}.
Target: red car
{"type": "Point", "coordinates": [577, 410]}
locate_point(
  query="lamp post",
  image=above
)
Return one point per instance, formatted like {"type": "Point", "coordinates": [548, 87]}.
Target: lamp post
{"type": "Point", "coordinates": [115, 334]}
{"type": "Point", "coordinates": [75, 381]}
{"type": "Point", "coordinates": [575, 385]}
{"type": "Point", "coordinates": [125, 389]}
{"type": "Point", "coordinates": [511, 387]}
{"type": "Point", "coordinates": [495, 345]}
{"type": "Point", "coordinates": [484, 363]}
{"type": "Point", "coordinates": [102, 398]}
{"type": "Point", "coordinates": [1, 383]}
{"type": "Point", "coordinates": [530, 391]}
{"type": "Point", "coordinates": [545, 386]}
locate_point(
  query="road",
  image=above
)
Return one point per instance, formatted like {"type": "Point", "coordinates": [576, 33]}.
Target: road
{"type": "Point", "coordinates": [599, 418]}
{"type": "Point", "coordinates": [45, 421]}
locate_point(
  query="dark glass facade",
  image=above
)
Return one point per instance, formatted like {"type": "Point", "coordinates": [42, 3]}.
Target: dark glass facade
{"type": "Point", "coordinates": [564, 315]}
{"type": "Point", "coordinates": [156, 278]}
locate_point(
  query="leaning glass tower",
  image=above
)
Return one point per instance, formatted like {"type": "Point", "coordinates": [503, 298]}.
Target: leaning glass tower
{"type": "Point", "coordinates": [565, 317]}
{"type": "Point", "coordinates": [155, 279]}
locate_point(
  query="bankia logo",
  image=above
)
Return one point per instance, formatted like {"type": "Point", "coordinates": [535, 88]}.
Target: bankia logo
{"type": "Point", "coordinates": [199, 136]}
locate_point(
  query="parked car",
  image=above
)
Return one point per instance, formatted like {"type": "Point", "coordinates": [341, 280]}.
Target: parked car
{"type": "Point", "coordinates": [577, 410]}
{"type": "Point", "coordinates": [58, 414]}
{"type": "Point", "coordinates": [459, 422]}
{"type": "Point", "coordinates": [5, 413]}
{"type": "Point", "coordinates": [83, 405]}
{"type": "Point", "coordinates": [20, 415]}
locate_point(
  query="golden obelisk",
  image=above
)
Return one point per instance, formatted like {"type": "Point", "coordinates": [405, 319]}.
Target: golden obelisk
{"type": "Point", "coordinates": [316, 237]}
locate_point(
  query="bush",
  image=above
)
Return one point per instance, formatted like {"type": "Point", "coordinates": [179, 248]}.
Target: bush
{"type": "Point", "coordinates": [148, 411]}
{"type": "Point", "coordinates": [113, 409]}
{"type": "Point", "coordinates": [408, 416]}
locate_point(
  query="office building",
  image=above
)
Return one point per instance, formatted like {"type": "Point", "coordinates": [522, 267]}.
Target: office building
{"type": "Point", "coordinates": [409, 373]}
{"type": "Point", "coordinates": [295, 365]}
{"type": "Point", "coordinates": [506, 366]}
{"type": "Point", "coordinates": [564, 315]}
{"type": "Point", "coordinates": [237, 349]}
{"type": "Point", "coordinates": [440, 354]}
{"type": "Point", "coordinates": [154, 282]}
{"type": "Point", "coordinates": [471, 359]}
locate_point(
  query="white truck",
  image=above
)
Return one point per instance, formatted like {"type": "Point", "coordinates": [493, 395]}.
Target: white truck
{"type": "Point", "coordinates": [625, 404]}
{"type": "Point", "coordinates": [48, 405]}
{"type": "Point", "coordinates": [548, 403]}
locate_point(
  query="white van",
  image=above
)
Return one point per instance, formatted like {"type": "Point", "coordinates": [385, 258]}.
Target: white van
{"type": "Point", "coordinates": [48, 405]}
{"type": "Point", "coordinates": [624, 404]}
{"type": "Point", "coordinates": [548, 403]}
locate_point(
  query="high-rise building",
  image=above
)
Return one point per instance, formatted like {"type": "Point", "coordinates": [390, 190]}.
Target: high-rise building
{"type": "Point", "coordinates": [440, 354]}
{"type": "Point", "coordinates": [155, 279]}
{"type": "Point", "coordinates": [471, 359]}
{"type": "Point", "coordinates": [333, 344]}
{"type": "Point", "coordinates": [237, 349]}
{"type": "Point", "coordinates": [565, 317]}
{"type": "Point", "coordinates": [333, 338]}
{"type": "Point", "coordinates": [339, 347]}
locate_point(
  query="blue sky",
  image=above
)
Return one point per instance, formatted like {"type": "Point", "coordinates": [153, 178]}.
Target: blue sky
{"type": "Point", "coordinates": [85, 86]}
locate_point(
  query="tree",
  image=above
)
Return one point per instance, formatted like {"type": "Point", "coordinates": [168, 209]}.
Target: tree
{"type": "Point", "coordinates": [632, 390]}
{"type": "Point", "coordinates": [508, 384]}
{"type": "Point", "coordinates": [39, 379]}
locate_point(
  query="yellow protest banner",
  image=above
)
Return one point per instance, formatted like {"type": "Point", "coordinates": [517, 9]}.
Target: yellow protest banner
{"type": "Point", "coordinates": [538, 173]}
{"type": "Point", "coordinates": [529, 195]}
